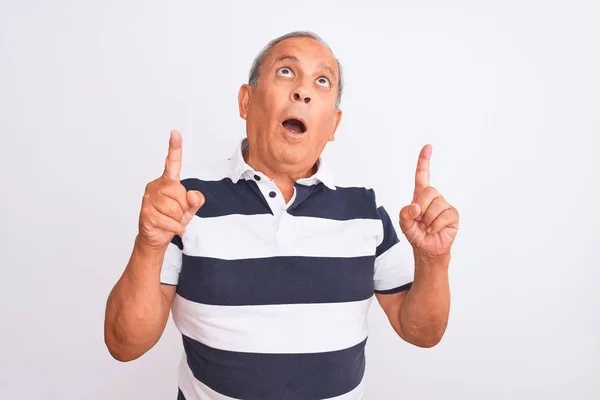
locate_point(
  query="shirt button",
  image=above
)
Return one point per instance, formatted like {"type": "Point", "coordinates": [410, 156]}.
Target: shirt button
{"type": "Point", "coordinates": [257, 177]}
{"type": "Point", "coordinates": [272, 194]}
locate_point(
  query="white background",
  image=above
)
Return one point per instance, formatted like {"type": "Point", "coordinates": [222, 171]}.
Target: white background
{"type": "Point", "coordinates": [507, 92]}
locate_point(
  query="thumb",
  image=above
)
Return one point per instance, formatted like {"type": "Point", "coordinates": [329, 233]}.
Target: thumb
{"type": "Point", "coordinates": [195, 200]}
{"type": "Point", "coordinates": [408, 216]}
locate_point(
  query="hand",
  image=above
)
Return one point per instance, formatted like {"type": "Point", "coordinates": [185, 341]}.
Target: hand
{"type": "Point", "coordinates": [167, 207]}
{"type": "Point", "coordinates": [429, 223]}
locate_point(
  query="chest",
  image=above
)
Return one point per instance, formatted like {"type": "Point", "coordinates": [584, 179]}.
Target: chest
{"type": "Point", "coordinates": [285, 259]}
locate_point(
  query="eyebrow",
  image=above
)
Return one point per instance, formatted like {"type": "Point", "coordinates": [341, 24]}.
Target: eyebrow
{"type": "Point", "coordinates": [286, 57]}
{"type": "Point", "coordinates": [328, 68]}
{"type": "Point", "coordinates": [296, 59]}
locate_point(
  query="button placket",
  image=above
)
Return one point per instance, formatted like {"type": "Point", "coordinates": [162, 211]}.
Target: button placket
{"type": "Point", "coordinates": [271, 192]}
{"type": "Point", "coordinates": [272, 195]}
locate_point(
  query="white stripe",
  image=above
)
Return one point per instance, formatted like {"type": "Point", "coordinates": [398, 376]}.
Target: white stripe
{"type": "Point", "coordinates": [395, 267]}
{"type": "Point", "coordinates": [193, 389]}
{"type": "Point", "coordinates": [286, 328]}
{"type": "Point", "coordinates": [256, 236]}
{"type": "Point", "coordinates": [171, 266]}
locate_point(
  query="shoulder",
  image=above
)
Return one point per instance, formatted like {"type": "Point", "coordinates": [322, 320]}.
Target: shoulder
{"type": "Point", "coordinates": [349, 200]}
{"type": "Point", "coordinates": [367, 194]}
{"type": "Point", "coordinates": [357, 189]}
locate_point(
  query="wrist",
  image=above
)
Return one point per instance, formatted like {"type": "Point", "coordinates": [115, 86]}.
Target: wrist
{"type": "Point", "coordinates": [146, 261]}
{"type": "Point", "coordinates": [432, 271]}
{"type": "Point", "coordinates": [437, 262]}
{"type": "Point", "coordinates": [142, 249]}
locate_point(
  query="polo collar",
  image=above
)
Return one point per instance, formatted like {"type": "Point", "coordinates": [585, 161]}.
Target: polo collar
{"type": "Point", "coordinates": [239, 169]}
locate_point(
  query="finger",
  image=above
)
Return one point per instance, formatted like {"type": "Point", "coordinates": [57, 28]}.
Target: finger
{"type": "Point", "coordinates": [448, 218]}
{"type": "Point", "coordinates": [425, 198]}
{"type": "Point", "coordinates": [196, 200]}
{"type": "Point", "coordinates": [437, 206]}
{"type": "Point", "coordinates": [177, 192]}
{"type": "Point", "coordinates": [408, 216]}
{"type": "Point", "coordinates": [173, 161]}
{"type": "Point", "coordinates": [422, 173]}
{"type": "Point", "coordinates": [167, 224]}
{"type": "Point", "coordinates": [168, 206]}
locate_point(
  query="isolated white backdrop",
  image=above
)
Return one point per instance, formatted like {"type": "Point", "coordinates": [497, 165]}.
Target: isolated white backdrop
{"type": "Point", "coordinates": [507, 92]}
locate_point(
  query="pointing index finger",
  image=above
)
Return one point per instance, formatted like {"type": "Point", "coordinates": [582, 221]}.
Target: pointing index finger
{"type": "Point", "coordinates": [173, 161]}
{"type": "Point", "coordinates": [422, 173]}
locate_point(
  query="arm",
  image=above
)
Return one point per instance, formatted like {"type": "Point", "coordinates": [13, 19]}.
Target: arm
{"type": "Point", "coordinates": [138, 307]}
{"type": "Point", "coordinates": [430, 224]}
{"type": "Point", "coordinates": [420, 315]}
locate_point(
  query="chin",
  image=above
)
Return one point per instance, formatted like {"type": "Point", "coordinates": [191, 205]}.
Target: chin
{"type": "Point", "coordinates": [291, 153]}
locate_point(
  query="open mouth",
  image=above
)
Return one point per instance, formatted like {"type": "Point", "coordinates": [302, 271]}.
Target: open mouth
{"type": "Point", "coordinates": [294, 125]}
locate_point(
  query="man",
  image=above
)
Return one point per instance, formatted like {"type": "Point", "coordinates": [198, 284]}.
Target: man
{"type": "Point", "coordinates": [270, 268]}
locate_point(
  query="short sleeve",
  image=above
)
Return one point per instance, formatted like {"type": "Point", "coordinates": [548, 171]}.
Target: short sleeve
{"type": "Point", "coordinates": [394, 262]}
{"type": "Point", "coordinates": [171, 267]}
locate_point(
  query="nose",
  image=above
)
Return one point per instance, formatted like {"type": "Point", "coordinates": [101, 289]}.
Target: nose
{"type": "Point", "coordinates": [298, 97]}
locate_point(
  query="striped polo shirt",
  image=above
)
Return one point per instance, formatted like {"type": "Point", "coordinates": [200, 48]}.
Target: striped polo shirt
{"type": "Point", "coordinates": [272, 297]}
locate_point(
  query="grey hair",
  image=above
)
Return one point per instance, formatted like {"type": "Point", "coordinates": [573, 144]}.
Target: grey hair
{"type": "Point", "coordinates": [260, 58]}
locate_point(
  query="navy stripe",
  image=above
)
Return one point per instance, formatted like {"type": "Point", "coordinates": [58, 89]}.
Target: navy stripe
{"type": "Point", "coordinates": [180, 395]}
{"type": "Point", "coordinates": [341, 204]}
{"type": "Point", "coordinates": [276, 376]}
{"type": "Point", "coordinates": [390, 236]}
{"type": "Point", "coordinates": [225, 197]}
{"type": "Point", "coordinates": [276, 280]}
{"type": "Point", "coordinates": [177, 241]}
{"type": "Point", "coordinates": [395, 290]}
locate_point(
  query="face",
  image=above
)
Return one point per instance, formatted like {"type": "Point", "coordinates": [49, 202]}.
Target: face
{"type": "Point", "coordinates": [291, 114]}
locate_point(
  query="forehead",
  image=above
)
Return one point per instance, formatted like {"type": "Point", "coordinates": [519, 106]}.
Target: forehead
{"type": "Point", "coordinates": [307, 50]}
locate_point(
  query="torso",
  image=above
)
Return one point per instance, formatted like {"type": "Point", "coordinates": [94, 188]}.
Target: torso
{"type": "Point", "coordinates": [274, 292]}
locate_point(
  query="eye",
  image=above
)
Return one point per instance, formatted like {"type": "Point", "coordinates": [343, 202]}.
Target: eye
{"type": "Point", "coordinates": [323, 81]}
{"type": "Point", "coordinates": [285, 71]}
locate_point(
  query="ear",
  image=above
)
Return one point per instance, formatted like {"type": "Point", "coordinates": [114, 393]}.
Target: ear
{"type": "Point", "coordinates": [336, 122]}
{"type": "Point", "coordinates": [244, 96]}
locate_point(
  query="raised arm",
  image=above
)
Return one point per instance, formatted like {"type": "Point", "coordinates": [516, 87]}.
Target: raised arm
{"type": "Point", "coordinates": [138, 306]}
{"type": "Point", "coordinates": [430, 224]}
